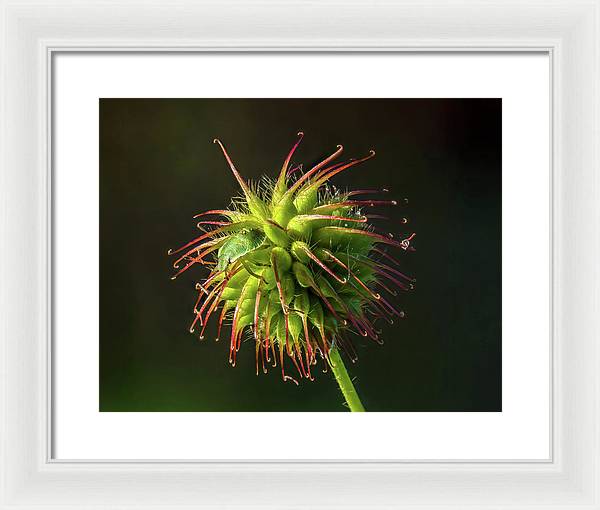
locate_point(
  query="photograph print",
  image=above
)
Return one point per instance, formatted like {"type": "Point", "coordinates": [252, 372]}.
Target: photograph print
{"type": "Point", "coordinates": [291, 255]}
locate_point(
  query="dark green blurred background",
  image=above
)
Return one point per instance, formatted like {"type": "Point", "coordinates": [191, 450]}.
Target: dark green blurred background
{"type": "Point", "coordinates": [159, 167]}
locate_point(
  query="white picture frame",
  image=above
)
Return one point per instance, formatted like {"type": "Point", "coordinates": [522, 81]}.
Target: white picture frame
{"type": "Point", "coordinates": [32, 31]}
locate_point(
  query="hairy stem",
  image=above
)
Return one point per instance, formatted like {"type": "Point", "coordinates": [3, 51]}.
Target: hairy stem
{"type": "Point", "coordinates": [344, 381]}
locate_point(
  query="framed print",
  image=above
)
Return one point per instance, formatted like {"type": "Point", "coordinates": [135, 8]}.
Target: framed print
{"type": "Point", "coordinates": [470, 369]}
{"type": "Point", "coordinates": [386, 223]}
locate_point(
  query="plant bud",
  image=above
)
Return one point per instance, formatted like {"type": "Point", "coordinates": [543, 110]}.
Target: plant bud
{"type": "Point", "coordinates": [292, 265]}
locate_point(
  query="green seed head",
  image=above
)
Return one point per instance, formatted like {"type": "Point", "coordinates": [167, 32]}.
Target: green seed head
{"type": "Point", "coordinates": [294, 266]}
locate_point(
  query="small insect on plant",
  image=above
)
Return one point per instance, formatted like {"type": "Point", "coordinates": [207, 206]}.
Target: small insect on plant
{"type": "Point", "coordinates": [296, 268]}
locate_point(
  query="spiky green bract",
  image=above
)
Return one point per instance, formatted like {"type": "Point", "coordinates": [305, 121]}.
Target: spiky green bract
{"type": "Point", "coordinates": [294, 266]}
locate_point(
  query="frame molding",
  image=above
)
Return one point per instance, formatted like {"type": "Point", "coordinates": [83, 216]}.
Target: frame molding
{"type": "Point", "coordinates": [32, 30]}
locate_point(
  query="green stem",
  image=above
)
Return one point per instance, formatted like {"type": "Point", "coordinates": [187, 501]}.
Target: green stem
{"type": "Point", "coordinates": [344, 381]}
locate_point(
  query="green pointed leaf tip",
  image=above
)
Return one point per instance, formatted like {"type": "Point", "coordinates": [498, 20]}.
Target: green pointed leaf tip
{"type": "Point", "coordinates": [296, 268]}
